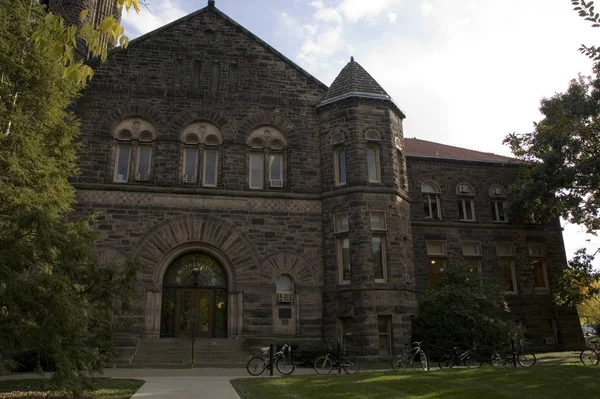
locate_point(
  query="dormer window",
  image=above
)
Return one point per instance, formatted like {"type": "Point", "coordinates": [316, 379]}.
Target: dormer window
{"type": "Point", "coordinates": [267, 149]}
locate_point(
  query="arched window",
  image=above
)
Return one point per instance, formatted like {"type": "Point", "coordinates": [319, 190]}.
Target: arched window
{"type": "Point", "coordinates": [339, 158]}
{"type": "Point", "coordinates": [431, 200]}
{"type": "Point", "coordinates": [373, 163]}
{"type": "Point", "coordinates": [498, 205]}
{"type": "Point", "coordinates": [466, 205]}
{"type": "Point", "coordinates": [201, 141]}
{"type": "Point", "coordinates": [267, 145]}
{"type": "Point", "coordinates": [372, 135]}
{"type": "Point", "coordinates": [133, 151]}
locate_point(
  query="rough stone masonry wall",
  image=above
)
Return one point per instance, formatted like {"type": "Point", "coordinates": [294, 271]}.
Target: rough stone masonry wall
{"type": "Point", "coordinates": [283, 236]}
{"type": "Point", "coordinates": [527, 307]}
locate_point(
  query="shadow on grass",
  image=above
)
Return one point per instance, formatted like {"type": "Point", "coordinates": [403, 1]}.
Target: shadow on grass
{"type": "Point", "coordinates": [104, 388]}
{"type": "Point", "coordinates": [487, 382]}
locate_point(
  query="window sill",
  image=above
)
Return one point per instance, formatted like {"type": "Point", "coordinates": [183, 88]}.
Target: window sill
{"type": "Point", "coordinates": [344, 282]}
{"type": "Point", "coordinates": [467, 220]}
{"type": "Point", "coordinates": [120, 181]}
{"type": "Point", "coordinates": [500, 221]}
{"type": "Point", "coordinates": [379, 281]}
{"type": "Point", "coordinates": [541, 290]}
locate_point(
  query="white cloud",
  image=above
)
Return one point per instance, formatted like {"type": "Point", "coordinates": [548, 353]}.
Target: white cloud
{"type": "Point", "coordinates": [329, 15]}
{"type": "Point", "coordinates": [355, 10]}
{"type": "Point", "coordinates": [392, 17]}
{"type": "Point", "coordinates": [317, 4]}
{"type": "Point", "coordinates": [158, 14]}
{"type": "Point", "coordinates": [426, 8]}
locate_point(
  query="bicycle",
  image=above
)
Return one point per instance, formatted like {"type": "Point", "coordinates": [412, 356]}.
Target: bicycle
{"type": "Point", "coordinates": [468, 358]}
{"type": "Point", "coordinates": [591, 356]}
{"type": "Point", "coordinates": [408, 356]}
{"type": "Point", "coordinates": [258, 364]}
{"type": "Point", "coordinates": [324, 364]}
{"type": "Point", "coordinates": [522, 357]}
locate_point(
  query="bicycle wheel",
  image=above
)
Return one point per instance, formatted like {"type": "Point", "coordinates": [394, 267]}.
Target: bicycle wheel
{"type": "Point", "coordinates": [424, 361]}
{"type": "Point", "coordinates": [351, 365]}
{"type": "Point", "coordinates": [526, 359]}
{"type": "Point", "coordinates": [589, 357]}
{"type": "Point", "coordinates": [446, 362]}
{"type": "Point", "coordinates": [498, 360]}
{"type": "Point", "coordinates": [256, 365]}
{"type": "Point", "coordinates": [472, 361]}
{"type": "Point", "coordinates": [400, 362]}
{"type": "Point", "coordinates": [323, 365]}
{"type": "Point", "coordinates": [285, 365]}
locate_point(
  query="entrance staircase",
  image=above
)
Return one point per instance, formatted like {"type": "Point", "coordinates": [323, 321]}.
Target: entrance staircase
{"type": "Point", "coordinates": [177, 353]}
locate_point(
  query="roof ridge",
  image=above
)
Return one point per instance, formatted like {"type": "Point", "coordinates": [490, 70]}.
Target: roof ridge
{"type": "Point", "coordinates": [221, 14]}
{"type": "Point", "coordinates": [461, 148]}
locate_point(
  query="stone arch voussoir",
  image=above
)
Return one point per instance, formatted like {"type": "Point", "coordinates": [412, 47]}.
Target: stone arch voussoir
{"type": "Point", "coordinates": [233, 246]}
{"type": "Point", "coordinates": [110, 122]}
{"type": "Point", "coordinates": [286, 262]}
{"type": "Point", "coordinates": [190, 116]}
{"type": "Point", "coordinates": [286, 126]}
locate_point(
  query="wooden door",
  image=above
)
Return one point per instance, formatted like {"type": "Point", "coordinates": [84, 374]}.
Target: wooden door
{"type": "Point", "coordinates": [188, 301]}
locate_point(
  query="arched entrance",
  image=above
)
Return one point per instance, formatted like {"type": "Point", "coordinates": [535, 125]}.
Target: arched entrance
{"type": "Point", "coordinates": [194, 283]}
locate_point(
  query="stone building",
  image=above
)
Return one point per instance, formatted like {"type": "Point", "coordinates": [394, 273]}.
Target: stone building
{"type": "Point", "coordinates": [274, 205]}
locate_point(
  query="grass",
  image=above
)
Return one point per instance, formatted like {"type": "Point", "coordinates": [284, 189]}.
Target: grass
{"type": "Point", "coordinates": [547, 381]}
{"type": "Point", "coordinates": [104, 388]}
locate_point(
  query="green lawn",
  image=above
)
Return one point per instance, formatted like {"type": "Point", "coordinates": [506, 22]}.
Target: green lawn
{"type": "Point", "coordinates": [551, 381]}
{"type": "Point", "coordinates": [105, 388]}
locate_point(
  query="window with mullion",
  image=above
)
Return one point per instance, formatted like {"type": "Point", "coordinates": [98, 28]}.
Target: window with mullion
{"type": "Point", "coordinates": [431, 207]}
{"type": "Point", "coordinates": [276, 169]}
{"type": "Point", "coordinates": [143, 162]}
{"type": "Point", "coordinates": [211, 162]}
{"type": "Point", "coordinates": [498, 209]}
{"type": "Point", "coordinates": [190, 164]}
{"type": "Point", "coordinates": [122, 163]}
{"type": "Point", "coordinates": [466, 210]}
{"type": "Point", "coordinates": [257, 165]}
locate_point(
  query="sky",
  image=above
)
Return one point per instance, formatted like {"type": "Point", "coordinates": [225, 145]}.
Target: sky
{"type": "Point", "coordinates": [465, 72]}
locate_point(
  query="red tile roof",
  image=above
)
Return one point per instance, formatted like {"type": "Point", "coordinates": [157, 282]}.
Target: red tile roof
{"type": "Point", "coordinates": [425, 148]}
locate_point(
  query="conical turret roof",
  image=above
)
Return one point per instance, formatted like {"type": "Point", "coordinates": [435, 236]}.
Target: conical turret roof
{"type": "Point", "coordinates": [355, 81]}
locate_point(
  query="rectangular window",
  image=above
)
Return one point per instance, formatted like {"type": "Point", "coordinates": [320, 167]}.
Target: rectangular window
{"type": "Point", "coordinates": [378, 245]}
{"type": "Point", "coordinates": [505, 252]}
{"type": "Point", "coordinates": [537, 250]}
{"type": "Point", "coordinates": [343, 244]}
{"type": "Point", "coordinates": [378, 220]}
{"type": "Point", "coordinates": [373, 164]}
{"type": "Point", "coordinates": [341, 223]}
{"type": "Point", "coordinates": [471, 248]}
{"type": "Point", "coordinates": [276, 170]}
{"type": "Point", "coordinates": [431, 207]}
{"type": "Point", "coordinates": [256, 170]}
{"type": "Point", "coordinates": [466, 210]}
{"type": "Point", "coordinates": [143, 167]}
{"type": "Point", "coordinates": [197, 74]}
{"type": "Point", "coordinates": [384, 329]}
{"type": "Point", "coordinates": [122, 169]}
{"type": "Point", "coordinates": [539, 275]}
{"type": "Point", "coordinates": [210, 167]}
{"type": "Point", "coordinates": [436, 271]}
{"type": "Point", "coordinates": [498, 209]}
{"type": "Point", "coordinates": [340, 167]}
{"type": "Point", "coordinates": [190, 163]}
{"type": "Point", "coordinates": [507, 275]}
{"type": "Point", "coordinates": [436, 248]}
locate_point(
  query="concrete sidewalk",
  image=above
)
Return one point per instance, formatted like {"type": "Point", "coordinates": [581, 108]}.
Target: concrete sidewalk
{"type": "Point", "coordinates": [200, 383]}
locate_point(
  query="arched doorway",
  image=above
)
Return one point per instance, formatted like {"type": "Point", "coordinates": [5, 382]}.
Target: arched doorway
{"type": "Point", "coordinates": [194, 284]}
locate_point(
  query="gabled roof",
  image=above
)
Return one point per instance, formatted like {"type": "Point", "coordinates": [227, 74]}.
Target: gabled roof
{"type": "Point", "coordinates": [429, 149]}
{"type": "Point", "coordinates": [355, 81]}
{"type": "Point", "coordinates": [211, 8]}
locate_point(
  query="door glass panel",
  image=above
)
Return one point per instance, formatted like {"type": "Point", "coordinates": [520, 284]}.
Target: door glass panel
{"type": "Point", "coordinates": [185, 305]}
{"type": "Point", "coordinates": [221, 313]}
{"type": "Point", "coordinates": [204, 312]}
{"type": "Point", "coordinates": [168, 312]}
